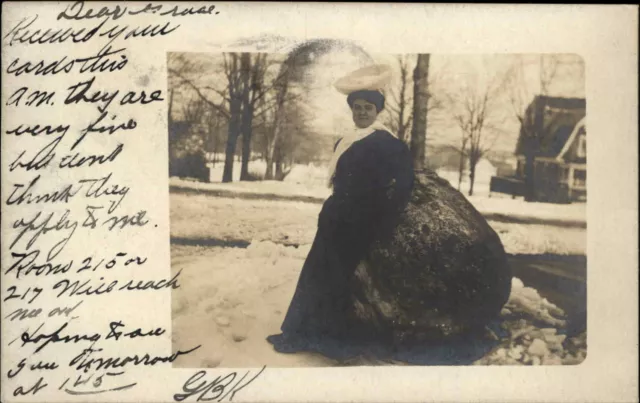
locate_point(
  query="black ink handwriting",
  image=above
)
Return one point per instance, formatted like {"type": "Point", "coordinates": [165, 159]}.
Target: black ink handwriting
{"type": "Point", "coordinates": [77, 161]}
{"type": "Point", "coordinates": [19, 391]}
{"type": "Point", "coordinates": [99, 63]}
{"type": "Point", "coordinates": [138, 332]}
{"type": "Point", "coordinates": [23, 194]}
{"type": "Point", "coordinates": [56, 337]}
{"type": "Point", "coordinates": [13, 293]}
{"type": "Point", "coordinates": [35, 97]}
{"type": "Point", "coordinates": [99, 127]}
{"type": "Point", "coordinates": [97, 382]}
{"type": "Point", "coordinates": [41, 160]}
{"type": "Point", "coordinates": [38, 130]}
{"type": "Point", "coordinates": [24, 265]}
{"type": "Point", "coordinates": [215, 389]}
{"type": "Point", "coordinates": [21, 365]}
{"type": "Point", "coordinates": [77, 12]}
{"type": "Point", "coordinates": [86, 362]}
{"type": "Point", "coordinates": [46, 224]}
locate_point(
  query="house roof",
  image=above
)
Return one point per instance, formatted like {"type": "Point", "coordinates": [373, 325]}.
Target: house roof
{"type": "Point", "coordinates": [581, 124]}
{"type": "Point", "coordinates": [561, 102]}
{"type": "Point", "coordinates": [559, 119]}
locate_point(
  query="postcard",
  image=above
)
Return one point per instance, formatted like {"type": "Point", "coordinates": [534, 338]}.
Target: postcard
{"type": "Point", "coordinates": [266, 202]}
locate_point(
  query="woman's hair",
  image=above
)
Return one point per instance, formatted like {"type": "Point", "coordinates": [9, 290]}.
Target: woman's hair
{"type": "Point", "coordinates": [374, 97]}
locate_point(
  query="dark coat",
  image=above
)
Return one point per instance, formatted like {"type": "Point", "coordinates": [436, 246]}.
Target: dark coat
{"type": "Point", "coordinates": [371, 187]}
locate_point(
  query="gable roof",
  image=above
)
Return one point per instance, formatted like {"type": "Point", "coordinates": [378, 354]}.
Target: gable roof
{"type": "Point", "coordinates": [558, 121]}
{"type": "Point", "coordinates": [577, 129]}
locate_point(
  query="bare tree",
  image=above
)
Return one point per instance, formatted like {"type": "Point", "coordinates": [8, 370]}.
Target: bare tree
{"type": "Point", "coordinates": [256, 90]}
{"type": "Point", "coordinates": [213, 122]}
{"type": "Point", "coordinates": [295, 140]}
{"type": "Point", "coordinates": [474, 111]}
{"type": "Point", "coordinates": [236, 77]}
{"type": "Point", "coordinates": [520, 96]}
{"type": "Point", "coordinates": [549, 66]}
{"type": "Point", "coordinates": [193, 111]}
{"type": "Point", "coordinates": [420, 109]}
{"type": "Point", "coordinates": [227, 102]}
{"type": "Point", "coordinates": [399, 100]}
{"type": "Point", "coordinates": [247, 113]}
{"type": "Point", "coordinates": [282, 89]}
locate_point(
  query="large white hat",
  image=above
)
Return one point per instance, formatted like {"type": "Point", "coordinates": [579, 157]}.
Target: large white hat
{"type": "Point", "coordinates": [373, 78]}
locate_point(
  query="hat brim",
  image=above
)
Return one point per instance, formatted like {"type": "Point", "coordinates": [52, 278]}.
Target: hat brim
{"type": "Point", "coordinates": [372, 78]}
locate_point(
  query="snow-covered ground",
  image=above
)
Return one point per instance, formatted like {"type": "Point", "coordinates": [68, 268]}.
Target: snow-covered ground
{"type": "Point", "coordinates": [309, 181]}
{"type": "Point", "coordinates": [231, 298]}
{"type": "Point", "coordinates": [310, 176]}
{"type": "Point", "coordinates": [201, 217]}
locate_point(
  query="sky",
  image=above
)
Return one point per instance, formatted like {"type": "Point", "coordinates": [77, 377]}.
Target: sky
{"type": "Point", "coordinates": [449, 74]}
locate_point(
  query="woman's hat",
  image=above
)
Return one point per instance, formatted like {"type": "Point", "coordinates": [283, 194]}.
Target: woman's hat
{"type": "Point", "coordinates": [370, 78]}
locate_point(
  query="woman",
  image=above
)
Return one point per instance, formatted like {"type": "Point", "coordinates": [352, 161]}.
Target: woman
{"type": "Point", "coordinates": [370, 281]}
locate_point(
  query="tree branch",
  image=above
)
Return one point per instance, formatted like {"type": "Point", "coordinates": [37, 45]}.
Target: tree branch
{"type": "Point", "coordinates": [197, 90]}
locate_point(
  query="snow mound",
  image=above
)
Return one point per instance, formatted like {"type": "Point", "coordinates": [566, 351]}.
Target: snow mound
{"type": "Point", "coordinates": [528, 343]}
{"type": "Point", "coordinates": [526, 300]}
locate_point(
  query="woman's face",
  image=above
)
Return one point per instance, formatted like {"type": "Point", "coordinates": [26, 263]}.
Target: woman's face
{"type": "Point", "coordinates": [364, 113]}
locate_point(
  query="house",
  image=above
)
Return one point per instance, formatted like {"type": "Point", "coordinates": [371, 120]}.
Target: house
{"type": "Point", "coordinates": [485, 169]}
{"type": "Point", "coordinates": [553, 139]}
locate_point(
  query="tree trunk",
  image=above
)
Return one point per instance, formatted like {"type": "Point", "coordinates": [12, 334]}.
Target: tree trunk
{"type": "Point", "coordinates": [401, 131]}
{"type": "Point", "coordinates": [402, 107]}
{"type": "Point", "coordinates": [268, 175]}
{"type": "Point", "coordinates": [170, 111]}
{"type": "Point", "coordinates": [461, 169]}
{"type": "Point", "coordinates": [235, 115]}
{"type": "Point", "coordinates": [271, 148]}
{"type": "Point", "coordinates": [232, 140]}
{"type": "Point", "coordinates": [213, 141]}
{"type": "Point", "coordinates": [420, 106]}
{"type": "Point", "coordinates": [215, 146]}
{"type": "Point", "coordinates": [529, 175]}
{"type": "Point", "coordinates": [472, 174]}
{"type": "Point", "coordinates": [532, 136]}
{"type": "Point", "coordinates": [246, 154]}
{"type": "Point", "coordinates": [278, 160]}
{"type": "Point", "coordinates": [247, 116]}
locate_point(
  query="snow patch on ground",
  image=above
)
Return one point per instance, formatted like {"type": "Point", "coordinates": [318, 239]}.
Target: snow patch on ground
{"type": "Point", "coordinates": [202, 217]}
{"type": "Point", "coordinates": [280, 188]}
{"type": "Point", "coordinates": [231, 299]}
{"type": "Point", "coordinates": [310, 181]}
{"type": "Point", "coordinates": [535, 326]}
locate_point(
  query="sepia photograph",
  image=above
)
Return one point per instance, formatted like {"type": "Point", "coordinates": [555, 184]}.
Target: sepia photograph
{"type": "Point", "coordinates": [322, 202]}
{"type": "Point", "coordinates": [331, 207]}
